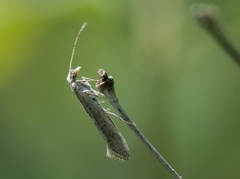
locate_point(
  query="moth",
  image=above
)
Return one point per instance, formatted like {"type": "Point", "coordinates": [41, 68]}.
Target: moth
{"type": "Point", "coordinates": [116, 144]}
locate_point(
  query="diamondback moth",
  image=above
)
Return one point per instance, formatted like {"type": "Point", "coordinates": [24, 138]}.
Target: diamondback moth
{"type": "Point", "coordinates": [116, 144]}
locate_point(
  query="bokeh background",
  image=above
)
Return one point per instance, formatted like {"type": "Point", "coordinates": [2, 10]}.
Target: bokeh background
{"type": "Point", "coordinates": [176, 83]}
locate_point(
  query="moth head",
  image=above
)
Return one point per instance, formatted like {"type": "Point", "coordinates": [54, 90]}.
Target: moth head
{"type": "Point", "coordinates": [72, 75]}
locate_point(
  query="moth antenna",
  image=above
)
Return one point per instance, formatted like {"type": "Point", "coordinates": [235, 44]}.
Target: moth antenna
{"type": "Point", "coordinates": [75, 44]}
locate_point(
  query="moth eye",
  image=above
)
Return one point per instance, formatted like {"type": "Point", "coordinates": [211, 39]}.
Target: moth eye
{"type": "Point", "coordinates": [74, 75]}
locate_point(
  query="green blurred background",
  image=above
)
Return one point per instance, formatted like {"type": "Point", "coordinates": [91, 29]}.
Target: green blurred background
{"type": "Point", "coordinates": [176, 83]}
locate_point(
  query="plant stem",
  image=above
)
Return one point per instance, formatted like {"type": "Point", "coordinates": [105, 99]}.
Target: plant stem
{"type": "Point", "coordinates": [106, 87]}
{"type": "Point", "coordinates": [206, 15]}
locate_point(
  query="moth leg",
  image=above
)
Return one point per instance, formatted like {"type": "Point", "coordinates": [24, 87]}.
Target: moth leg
{"type": "Point", "coordinates": [115, 115]}
{"type": "Point", "coordinates": [88, 79]}
{"type": "Point", "coordinates": [91, 93]}
{"type": "Point", "coordinates": [95, 93]}
{"type": "Point", "coordinates": [101, 95]}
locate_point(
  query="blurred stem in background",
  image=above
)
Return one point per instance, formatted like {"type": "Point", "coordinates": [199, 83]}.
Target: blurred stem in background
{"type": "Point", "coordinates": [207, 16]}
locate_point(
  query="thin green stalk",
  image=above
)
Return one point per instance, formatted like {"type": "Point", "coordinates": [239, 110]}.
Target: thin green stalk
{"type": "Point", "coordinates": [207, 16]}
